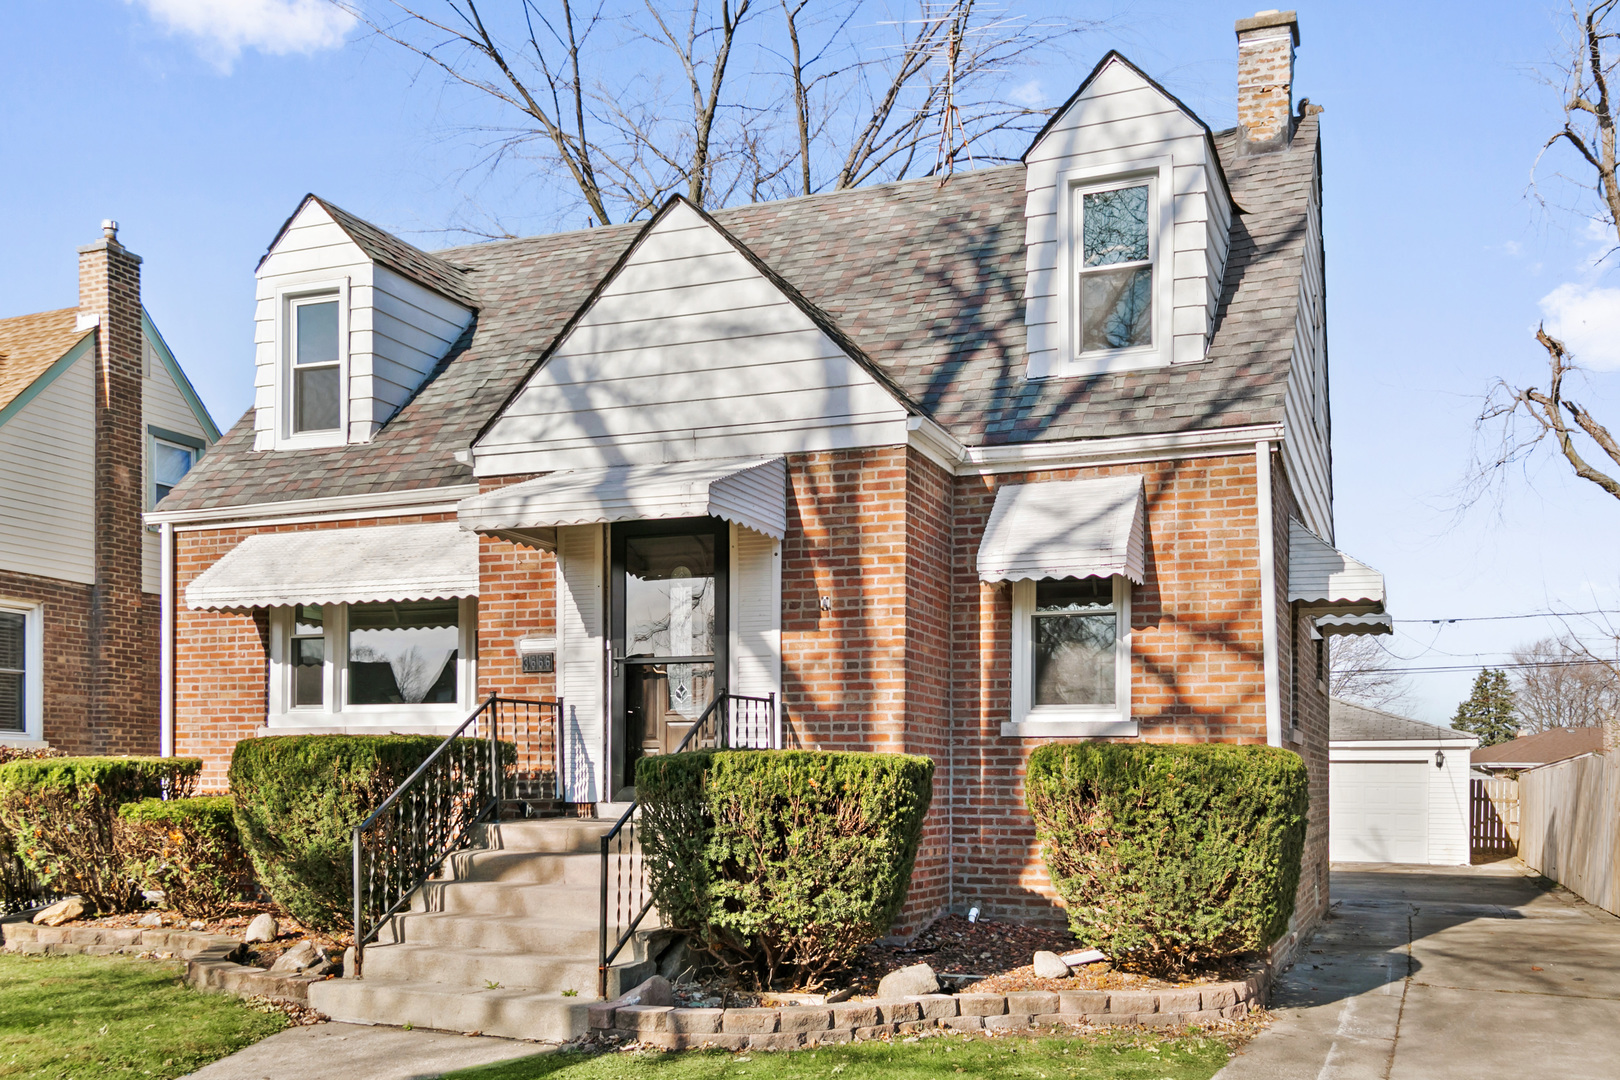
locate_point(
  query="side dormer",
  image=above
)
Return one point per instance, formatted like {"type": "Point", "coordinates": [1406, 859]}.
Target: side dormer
{"type": "Point", "coordinates": [349, 322]}
{"type": "Point", "coordinates": [1127, 220]}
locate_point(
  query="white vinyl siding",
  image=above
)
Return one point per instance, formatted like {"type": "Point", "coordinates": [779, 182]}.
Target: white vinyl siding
{"type": "Point", "coordinates": [162, 406]}
{"type": "Point", "coordinates": [756, 613]}
{"type": "Point", "coordinates": [581, 626]}
{"type": "Point", "coordinates": [398, 331]}
{"type": "Point", "coordinates": [1306, 442]}
{"type": "Point", "coordinates": [47, 480]}
{"type": "Point", "coordinates": [1123, 126]}
{"type": "Point", "coordinates": [689, 353]}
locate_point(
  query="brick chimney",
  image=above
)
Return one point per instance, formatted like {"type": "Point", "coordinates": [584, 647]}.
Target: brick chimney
{"type": "Point", "coordinates": [122, 720]}
{"type": "Point", "coordinates": [1266, 44]}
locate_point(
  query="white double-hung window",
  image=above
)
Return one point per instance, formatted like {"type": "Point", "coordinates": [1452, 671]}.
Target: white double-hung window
{"type": "Point", "coordinates": [317, 375]}
{"type": "Point", "coordinates": [361, 663]}
{"type": "Point", "coordinates": [1115, 244]}
{"type": "Point", "coordinates": [1071, 657]}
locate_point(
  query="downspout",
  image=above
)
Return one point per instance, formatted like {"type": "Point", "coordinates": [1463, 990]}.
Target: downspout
{"type": "Point", "coordinates": [166, 639]}
{"type": "Point", "coordinates": [1268, 589]}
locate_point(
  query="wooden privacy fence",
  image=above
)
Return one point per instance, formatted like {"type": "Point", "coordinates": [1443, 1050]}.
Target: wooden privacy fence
{"type": "Point", "coordinates": [1493, 819]}
{"type": "Point", "coordinates": [1570, 826]}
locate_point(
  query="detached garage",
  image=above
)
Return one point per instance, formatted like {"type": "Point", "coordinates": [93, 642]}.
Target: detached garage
{"type": "Point", "coordinates": [1397, 788]}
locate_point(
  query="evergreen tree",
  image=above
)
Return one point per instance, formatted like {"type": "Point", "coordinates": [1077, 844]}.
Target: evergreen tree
{"type": "Point", "coordinates": [1490, 711]}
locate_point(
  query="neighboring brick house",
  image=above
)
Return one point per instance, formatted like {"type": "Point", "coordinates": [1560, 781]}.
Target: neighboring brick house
{"type": "Point", "coordinates": [955, 467]}
{"type": "Point", "coordinates": [97, 422]}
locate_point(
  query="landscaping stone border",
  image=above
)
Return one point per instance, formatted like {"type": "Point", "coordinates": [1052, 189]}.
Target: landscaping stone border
{"type": "Point", "coordinates": [791, 1026]}
{"type": "Point", "coordinates": [210, 963]}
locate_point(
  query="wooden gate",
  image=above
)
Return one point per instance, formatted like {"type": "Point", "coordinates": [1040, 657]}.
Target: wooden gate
{"type": "Point", "coordinates": [1494, 817]}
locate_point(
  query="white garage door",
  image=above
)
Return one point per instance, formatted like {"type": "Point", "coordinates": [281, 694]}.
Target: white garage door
{"type": "Point", "coordinates": [1378, 811]}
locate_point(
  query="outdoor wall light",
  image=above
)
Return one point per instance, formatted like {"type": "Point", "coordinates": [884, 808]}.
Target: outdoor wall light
{"type": "Point", "coordinates": [1439, 759]}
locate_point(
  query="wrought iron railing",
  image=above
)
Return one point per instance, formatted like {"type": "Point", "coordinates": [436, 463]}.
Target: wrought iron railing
{"type": "Point", "coordinates": [20, 889]}
{"type": "Point", "coordinates": [504, 753]}
{"type": "Point", "coordinates": [732, 721]}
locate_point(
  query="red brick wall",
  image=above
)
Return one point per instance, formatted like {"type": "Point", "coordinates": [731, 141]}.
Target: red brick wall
{"type": "Point", "coordinates": [66, 678]}
{"type": "Point", "coordinates": [1197, 659]}
{"type": "Point", "coordinates": [123, 708]}
{"type": "Point", "coordinates": [517, 599]}
{"type": "Point", "coordinates": [222, 658]}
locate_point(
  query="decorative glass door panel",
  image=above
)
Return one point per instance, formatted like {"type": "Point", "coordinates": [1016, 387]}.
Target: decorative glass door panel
{"type": "Point", "coordinates": [668, 595]}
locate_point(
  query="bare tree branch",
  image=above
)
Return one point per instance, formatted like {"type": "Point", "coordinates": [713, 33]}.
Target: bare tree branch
{"type": "Point", "coordinates": [1361, 670]}
{"type": "Point", "coordinates": [1589, 129]}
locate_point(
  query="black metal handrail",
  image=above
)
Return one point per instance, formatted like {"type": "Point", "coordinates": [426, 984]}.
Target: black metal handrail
{"type": "Point", "coordinates": [498, 754]}
{"type": "Point", "coordinates": [731, 720]}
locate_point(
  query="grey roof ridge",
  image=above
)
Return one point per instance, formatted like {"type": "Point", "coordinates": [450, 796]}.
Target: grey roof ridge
{"type": "Point", "coordinates": [823, 321]}
{"type": "Point", "coordinates": [451, 273]}
{"type": "Point", "coordinates": [1115, 54]}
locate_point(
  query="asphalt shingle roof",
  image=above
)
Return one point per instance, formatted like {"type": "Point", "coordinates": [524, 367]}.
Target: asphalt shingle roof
{"type": "Point", "coordinates": [29, 344]}
{"type": "Point", "coordinates": [1349, 722]}
{"type": "Point", "coordinates": [1545, 748]}
{"type": "Point", "coordinates": [926, 279]}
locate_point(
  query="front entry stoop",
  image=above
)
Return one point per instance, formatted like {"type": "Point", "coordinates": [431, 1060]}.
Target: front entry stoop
{"type": "Point", "coordinates": [492, 944]}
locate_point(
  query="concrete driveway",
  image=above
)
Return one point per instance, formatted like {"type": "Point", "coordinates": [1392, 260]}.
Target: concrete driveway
{"type": "Point", "coordinates": [1430, 973]}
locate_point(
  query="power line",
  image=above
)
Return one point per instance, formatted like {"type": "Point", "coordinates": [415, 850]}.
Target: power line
{"type": "Point", "coordinates": [1472, 667]}
{"type": "Point", "coordinates": [1526, 615]}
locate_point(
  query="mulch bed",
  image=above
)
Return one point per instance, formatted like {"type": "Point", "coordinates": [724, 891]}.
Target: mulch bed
{"type": "Point", "coordinates": [974, 957]}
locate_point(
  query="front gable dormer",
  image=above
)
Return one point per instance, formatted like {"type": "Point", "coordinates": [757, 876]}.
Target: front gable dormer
{"type": "Point", "coordinates": [1127, 219]}
{"type": "Point", "coordinates": [691, 348]}
{"type": "Point", "coordinates": [349, 323]}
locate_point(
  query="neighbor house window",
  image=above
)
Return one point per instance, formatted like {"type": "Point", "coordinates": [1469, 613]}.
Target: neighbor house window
{"type": "Point", "coordinates": [22, 662]}
{"type": "Point", "coordinates": [371, 659]}
{"type": "Point", "coordinates": [13, 672]}
{"type": "Point", "coordinates": [171, 460]}
{"type": "Point", "coordinates": [317, 375]}
{"type": "Point", "coordinates": [1115, 249]}
{"type": "Point", "coordinates": [1071, 658]}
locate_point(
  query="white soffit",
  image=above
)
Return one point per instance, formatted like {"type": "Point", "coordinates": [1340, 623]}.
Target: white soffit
{"type": "Point", "coordinates": [1066, 528]}
{"type": "Point", "coordinates": [1327, 580]}
{"type": "Point", "coordinates": [749, 491]}
{"type": "Point", "coordinates": [342, 566]}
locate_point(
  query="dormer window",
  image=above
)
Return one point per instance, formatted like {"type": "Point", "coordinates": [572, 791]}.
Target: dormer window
{"type": "Point", "coordinates": [317, 376]}
{"type": "Point", "coordinates": [1115, 284]}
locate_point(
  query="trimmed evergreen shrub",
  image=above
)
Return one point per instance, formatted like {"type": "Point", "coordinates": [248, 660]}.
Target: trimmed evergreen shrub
{"type": "Point", "coordinates": [63, 816]}
{"type": "Point", "coordinates": [1171, 856]}
{"type": "Point", "coordinates": [190, 849]}
{"type": "Point", "coordinates": [298, 799]}
{"type": "Point", "coordinates": [781, 864]}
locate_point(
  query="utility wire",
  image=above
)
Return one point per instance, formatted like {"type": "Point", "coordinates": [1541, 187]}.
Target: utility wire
{"type": "Point", "coordinates": [1526, 615]}
{"type": "Point", "coordinates": [1472, 667]}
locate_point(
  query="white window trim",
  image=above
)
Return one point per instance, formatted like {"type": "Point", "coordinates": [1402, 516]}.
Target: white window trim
{"type": "Point", "coordinates": [336, 713]}
{"type": "Point", "coordinates": [1161, 250]}
{"type": "Point", "coordinates": [286, 298]}
{"type": "Point", "coordinates": [1053, 721]}
{"type": "Point", "coordinates": [33, 672]}
{"type": "Point", "coordinates": [152, 440]}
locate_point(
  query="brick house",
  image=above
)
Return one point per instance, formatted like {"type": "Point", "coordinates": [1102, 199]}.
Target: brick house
{"type": "Point", "coordinates": [954, 468]}
{"type": "Point", "coordinates": [97, 423]}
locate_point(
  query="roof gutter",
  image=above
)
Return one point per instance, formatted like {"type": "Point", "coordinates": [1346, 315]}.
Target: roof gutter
{"type": "Point", "coordinates": [292, 511]}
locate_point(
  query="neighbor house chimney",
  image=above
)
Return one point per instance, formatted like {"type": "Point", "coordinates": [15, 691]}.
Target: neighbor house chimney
{"type": "Point", "coordinates": [1266, 45]}
{"type": "Point", "coordinates": [123, 708]}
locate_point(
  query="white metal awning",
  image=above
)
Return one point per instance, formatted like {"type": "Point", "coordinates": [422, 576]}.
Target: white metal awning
{"type": "Point", "coordinates": [1324, 580]}
{"type": "Point", "coordinates": [342, 566]}
{"type": "Point", "coordinates": [1066, 528]}
{"type": "Point", "coordinates": [1350, 625]}
{"type": "Point", "coordinates": [749, 491]}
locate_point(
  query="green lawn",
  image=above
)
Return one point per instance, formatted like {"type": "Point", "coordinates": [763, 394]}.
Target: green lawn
{"type": "Point", "coordinates": [88, 1017]}
{"type": "Point", "coordinates": [1108, 1057]}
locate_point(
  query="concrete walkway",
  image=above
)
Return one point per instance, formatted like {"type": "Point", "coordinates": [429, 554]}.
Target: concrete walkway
{"type": "Point", "coordinates": [1433, 973]}
{"type": "Point", "coordinates": [358, 1052]}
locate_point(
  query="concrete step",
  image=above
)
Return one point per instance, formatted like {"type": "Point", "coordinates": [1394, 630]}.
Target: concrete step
{"type": "Point", "coordinates": [575, 936]}
{"type": "Point", "coordinates": [531, 867]}
{"type": "Point", "coordinates": [559, 903]}
{"type": "Point", "coordinates": [543, 834]}
{"type": "Point", "coordinates": [510, 1013]}
{"type": "Point", "coordinates": [452, 966]}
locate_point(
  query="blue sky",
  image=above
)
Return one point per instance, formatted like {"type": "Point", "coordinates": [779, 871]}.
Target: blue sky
{"type": "Point", "coordinates": [200, 132]}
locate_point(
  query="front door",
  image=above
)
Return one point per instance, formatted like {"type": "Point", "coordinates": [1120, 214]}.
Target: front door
{"type": "Point", "coordinates": [667, 587]}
